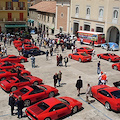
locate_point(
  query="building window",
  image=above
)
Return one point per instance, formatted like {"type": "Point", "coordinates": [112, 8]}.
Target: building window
{"type": "Point", "coordinates": [48, 18]}
{"type": "Point", "coordinates": [115, 14]}
{"type": "Point", "coordinates": [88, 12]}
{"type": "Point", "coordinates": [21, 5]}
{"type": "Point", "coordinates": [44, 17]}
{"type": "Point", "coordinates": [53, 19]}
{"type": "Point", "coordinates": [77, 11]}
{"type": "Point", "coordinates": [9, 5]}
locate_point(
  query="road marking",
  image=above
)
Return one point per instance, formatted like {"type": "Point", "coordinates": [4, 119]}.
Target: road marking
{"type": "Point", "coordinates": [4, 115]}
{"type": "Point", "coordinates": [95, 108]}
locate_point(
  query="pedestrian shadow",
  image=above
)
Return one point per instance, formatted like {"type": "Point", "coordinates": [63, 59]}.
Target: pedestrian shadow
{"type": "Point", "coordinates": [82, 93]}
{"type": "Point", "coordinates": [63, 83]}
{"type": "Point", "coordinates": [92, 101]}
{"type": "Point", "coordinates": [36, 66]}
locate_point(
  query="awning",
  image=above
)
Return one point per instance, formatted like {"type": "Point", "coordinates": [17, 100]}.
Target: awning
{"type": "Point", "coordinates": [29, 20]}
{"type": "Point", "coordinates": [15, 26]}
{"type": "Point", "coordinates": [32, 21]}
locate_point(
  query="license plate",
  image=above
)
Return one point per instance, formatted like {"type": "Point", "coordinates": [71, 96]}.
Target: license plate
{"type": "Point", "coordinates": [29, 117]}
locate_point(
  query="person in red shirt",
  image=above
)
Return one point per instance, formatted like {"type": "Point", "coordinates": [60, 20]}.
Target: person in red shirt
{"type": "Point", "coordinates": [104, 78]}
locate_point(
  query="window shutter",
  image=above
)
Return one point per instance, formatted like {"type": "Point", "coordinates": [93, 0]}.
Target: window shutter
{"type": "Point", "coordinates": [23, 4]}
{"type": "Point", "coordinates": [12, 5]}
{"type": "Point", "coordinates": [19, 4]}
{"type": "Point", "coordinates": [6, 5]}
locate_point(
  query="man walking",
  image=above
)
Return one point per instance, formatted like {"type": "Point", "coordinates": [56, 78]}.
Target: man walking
{"type": "Point", "coordinates": [79, 85]}
{"type": "Point", "coordinates": [47, 53]}
{"type": "Point", "coordinates": [99, 78]}
{"type": "Point", "coordinates": [59, 77]}
{"type": "Point", "coordinates": [11, 102]}
{"type": "Point", "coordinates": [98, 68]}
{"type": "Point", "coordinates": [55, 77]}
{"type": "Point", "coordinates": [88, 93]}
{"type": "Point", "coordinates": [57, 57]}
{"type": "Point", "coordinates": [33, 61]}
{"type": "Point", "coordinates": [104, 78]}
{"type": "Point", "coordinates": [66, 60]}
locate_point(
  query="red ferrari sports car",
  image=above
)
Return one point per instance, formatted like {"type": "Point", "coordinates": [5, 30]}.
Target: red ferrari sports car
{"type": "Point", "coordinates": [116, 66]}
{"type": "Point", "coordinates": [13, 83]}
{"type": "Point", "coordinates": [12, 72]}
{"type": "Point", "coordinates": [9, 65]}
{"type": "Point", "coordinates": [21, 41]}
{"type": "Point", "coordinates": [108, 96]}
{"type": "Point", "coordinates": [85, 49]}
{"type": "Point", "coordinates": [80, 56]}
{"type": "Point", "coordinates": [34, 93]}
{"type": "Point", "coordinates": [20, 44]}
{"type": "Point", "coordinates": [13, 59]}
{"type": "Point", "coordinates": [28, 47]}
{"type": "Point", "coordinates": [53, 108]}
{"type": "Point", "coordinates": [109, 56]}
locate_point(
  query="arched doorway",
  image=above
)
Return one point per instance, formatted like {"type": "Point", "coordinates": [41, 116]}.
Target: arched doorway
{"type": "Point", "coordinates": [113, 35]}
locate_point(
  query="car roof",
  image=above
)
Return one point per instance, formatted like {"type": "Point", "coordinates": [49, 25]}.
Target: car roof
{"type": "Point", "coordinates": [111, 89]}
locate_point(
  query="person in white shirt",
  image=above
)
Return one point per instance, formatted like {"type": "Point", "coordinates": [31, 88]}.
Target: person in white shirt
{"type": "Point", "coordinates": [99, 78]}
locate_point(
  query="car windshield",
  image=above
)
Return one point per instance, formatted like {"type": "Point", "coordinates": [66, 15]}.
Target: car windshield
{"type": "Point", "coordinates": [43, 106]}
{"type": "Point", "coordinates": [84, 54]}
{"type": "Point", "coordinates": [4, 57]}
{"type": "Point", "coordinates": [2, 72]}
{"type": "Point", "coordinates": [24, 90]}
{"type": "Point", "coordinates": [63, 101]}
{"type": "Point", "coordinates": [116, 94]}
{"type": "Point", "coordinates": [42, 87]}
{"type": "Point", "coordinates": [88, 48]}
{"type": "Point", "coordinates": [28, 78]}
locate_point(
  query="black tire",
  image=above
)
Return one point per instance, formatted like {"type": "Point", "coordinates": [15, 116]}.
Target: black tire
{"type": "Point", "coordinates": [22, 60]}
{"type": "Point", "coordinates": [48, 118]}
{"type": "Point", "coordinates": [51, 94]}
{"type": "Point", "coordinates": [99, 57]}
{"type": "Point", "coordinates": [80, 60]}
{"type": "Point", "coordinates": [107, 106]}
{"type": "Point", "coordinates": [36, 83]}
{"type": "Point", "coordinates": [3, 78]}
{"type": "Point", "coordinates": [13, 88]}
{"type": "Point", "coordinates": [109, 60]}
{"type": "Point", "coordinates": [115, 67]}
{"type": "Point", "coordinates": [27, 103]}
{"type": "Point", "coordinates": [74, 110]}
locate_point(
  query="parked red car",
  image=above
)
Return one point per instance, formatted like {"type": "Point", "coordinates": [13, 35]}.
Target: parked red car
{"type": "Point", "coordinates": [13, 59]}
{"type": "Point", "coordinates": [80, 56]}
{"type": "Point", "coordinates": [9, 65]}
{"type": "Point", "coordinates": [85, 49]}
{"type": "Point", "coordinates": [34, 93]}
{"type": "Point", "coordinates": [116, 66]}
{"type": "Point", "coordinates": [21, 41]}
{"type": "Point", "coordinates": [53, 108]}
{"type": "Point", "coordinates": [108, 96]}
{"type": "Point", "coordinates": [28, 47]}
{"type": "Point", "coordinates": [13, 83]}
{"type": "Point", "coordinates": [12, 72]}
{"type": "Point", "coordinates": [109, 56]}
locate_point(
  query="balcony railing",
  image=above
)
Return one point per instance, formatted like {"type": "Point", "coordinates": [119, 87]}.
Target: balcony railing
{"type": "Point", "coordinates": [12, 20]}
{"type": "Point", "coordinates": [14, 8]}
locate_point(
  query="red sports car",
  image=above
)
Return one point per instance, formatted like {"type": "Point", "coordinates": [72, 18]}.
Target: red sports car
{"type": "Point", "coordinates": [28, 47]}
{"type": "Point", "coordinates": [53, 108]}
{"type": "Point", "coordinates": [108, 96]}
{"type": "Point", "coordinates": [13, 59]}
{"type": "Point", "coordinates": [34, 93]}
{"type": "Point", "coordinates": [109, 56]}
{"type": "Point", "coordinates": [85, 49]}
{"type": "Point", "coordinates": [20, 44]}
{"type": "Point", "coordinates": [80, 56]}
{"type": "Point", "coordinates": [21, 41]}
{"type": "Point", "coordinates": [9, 65]}
{"type": "Point", "coordinates": [116, 66]}
{"type": "Point", "coordinates": [12, 72]}
{"type": "Point", "coordinates": [13, 83]}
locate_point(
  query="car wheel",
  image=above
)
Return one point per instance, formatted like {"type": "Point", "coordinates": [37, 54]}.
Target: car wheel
{"type": "Point", "coordinates": [115, 67]}
{"type": "Point", "coordinates": [35, 83]}
{"type": "Point", "coordinates": [27, 103]}
{"type": "Point", "coordinates": [22, 60]}
{"type": "Point", "coordinates": [47, 118]}
{"type": "Point", "coordinates": [13, 88]}
{"type": "Point", "coordinates": [99, 56]}
{"type": "Point", "coordinates": [18, 67]}
{"type": "Point", "coordinates": [74, 110]}
{"type": "Point", "coordinates": [107, 106]}
{"type": "Point", "coordinates": [51, 94]}
{"type": "Point", "coordinates": [80, 60]}
{"type": "Point", "coordinates": [29, 55]}
{"type": "Point", "coordinates": [70, 57]}
{"type": "Point", "coordinates": [25, 74]}
{"type": "Point", "coordinates": [109, 60]}
{"type": "Point", "coordinates": [3, 78]}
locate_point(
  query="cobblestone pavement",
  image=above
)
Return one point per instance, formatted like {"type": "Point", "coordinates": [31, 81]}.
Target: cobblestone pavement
{"type": "Point", "coordinates": [88, 71]}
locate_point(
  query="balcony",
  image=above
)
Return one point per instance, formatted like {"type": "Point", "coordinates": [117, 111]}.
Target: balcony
{"type": "Point", "coordinates": [12, 20]}
{"type": "Point", "coordinates": [12, 9]}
